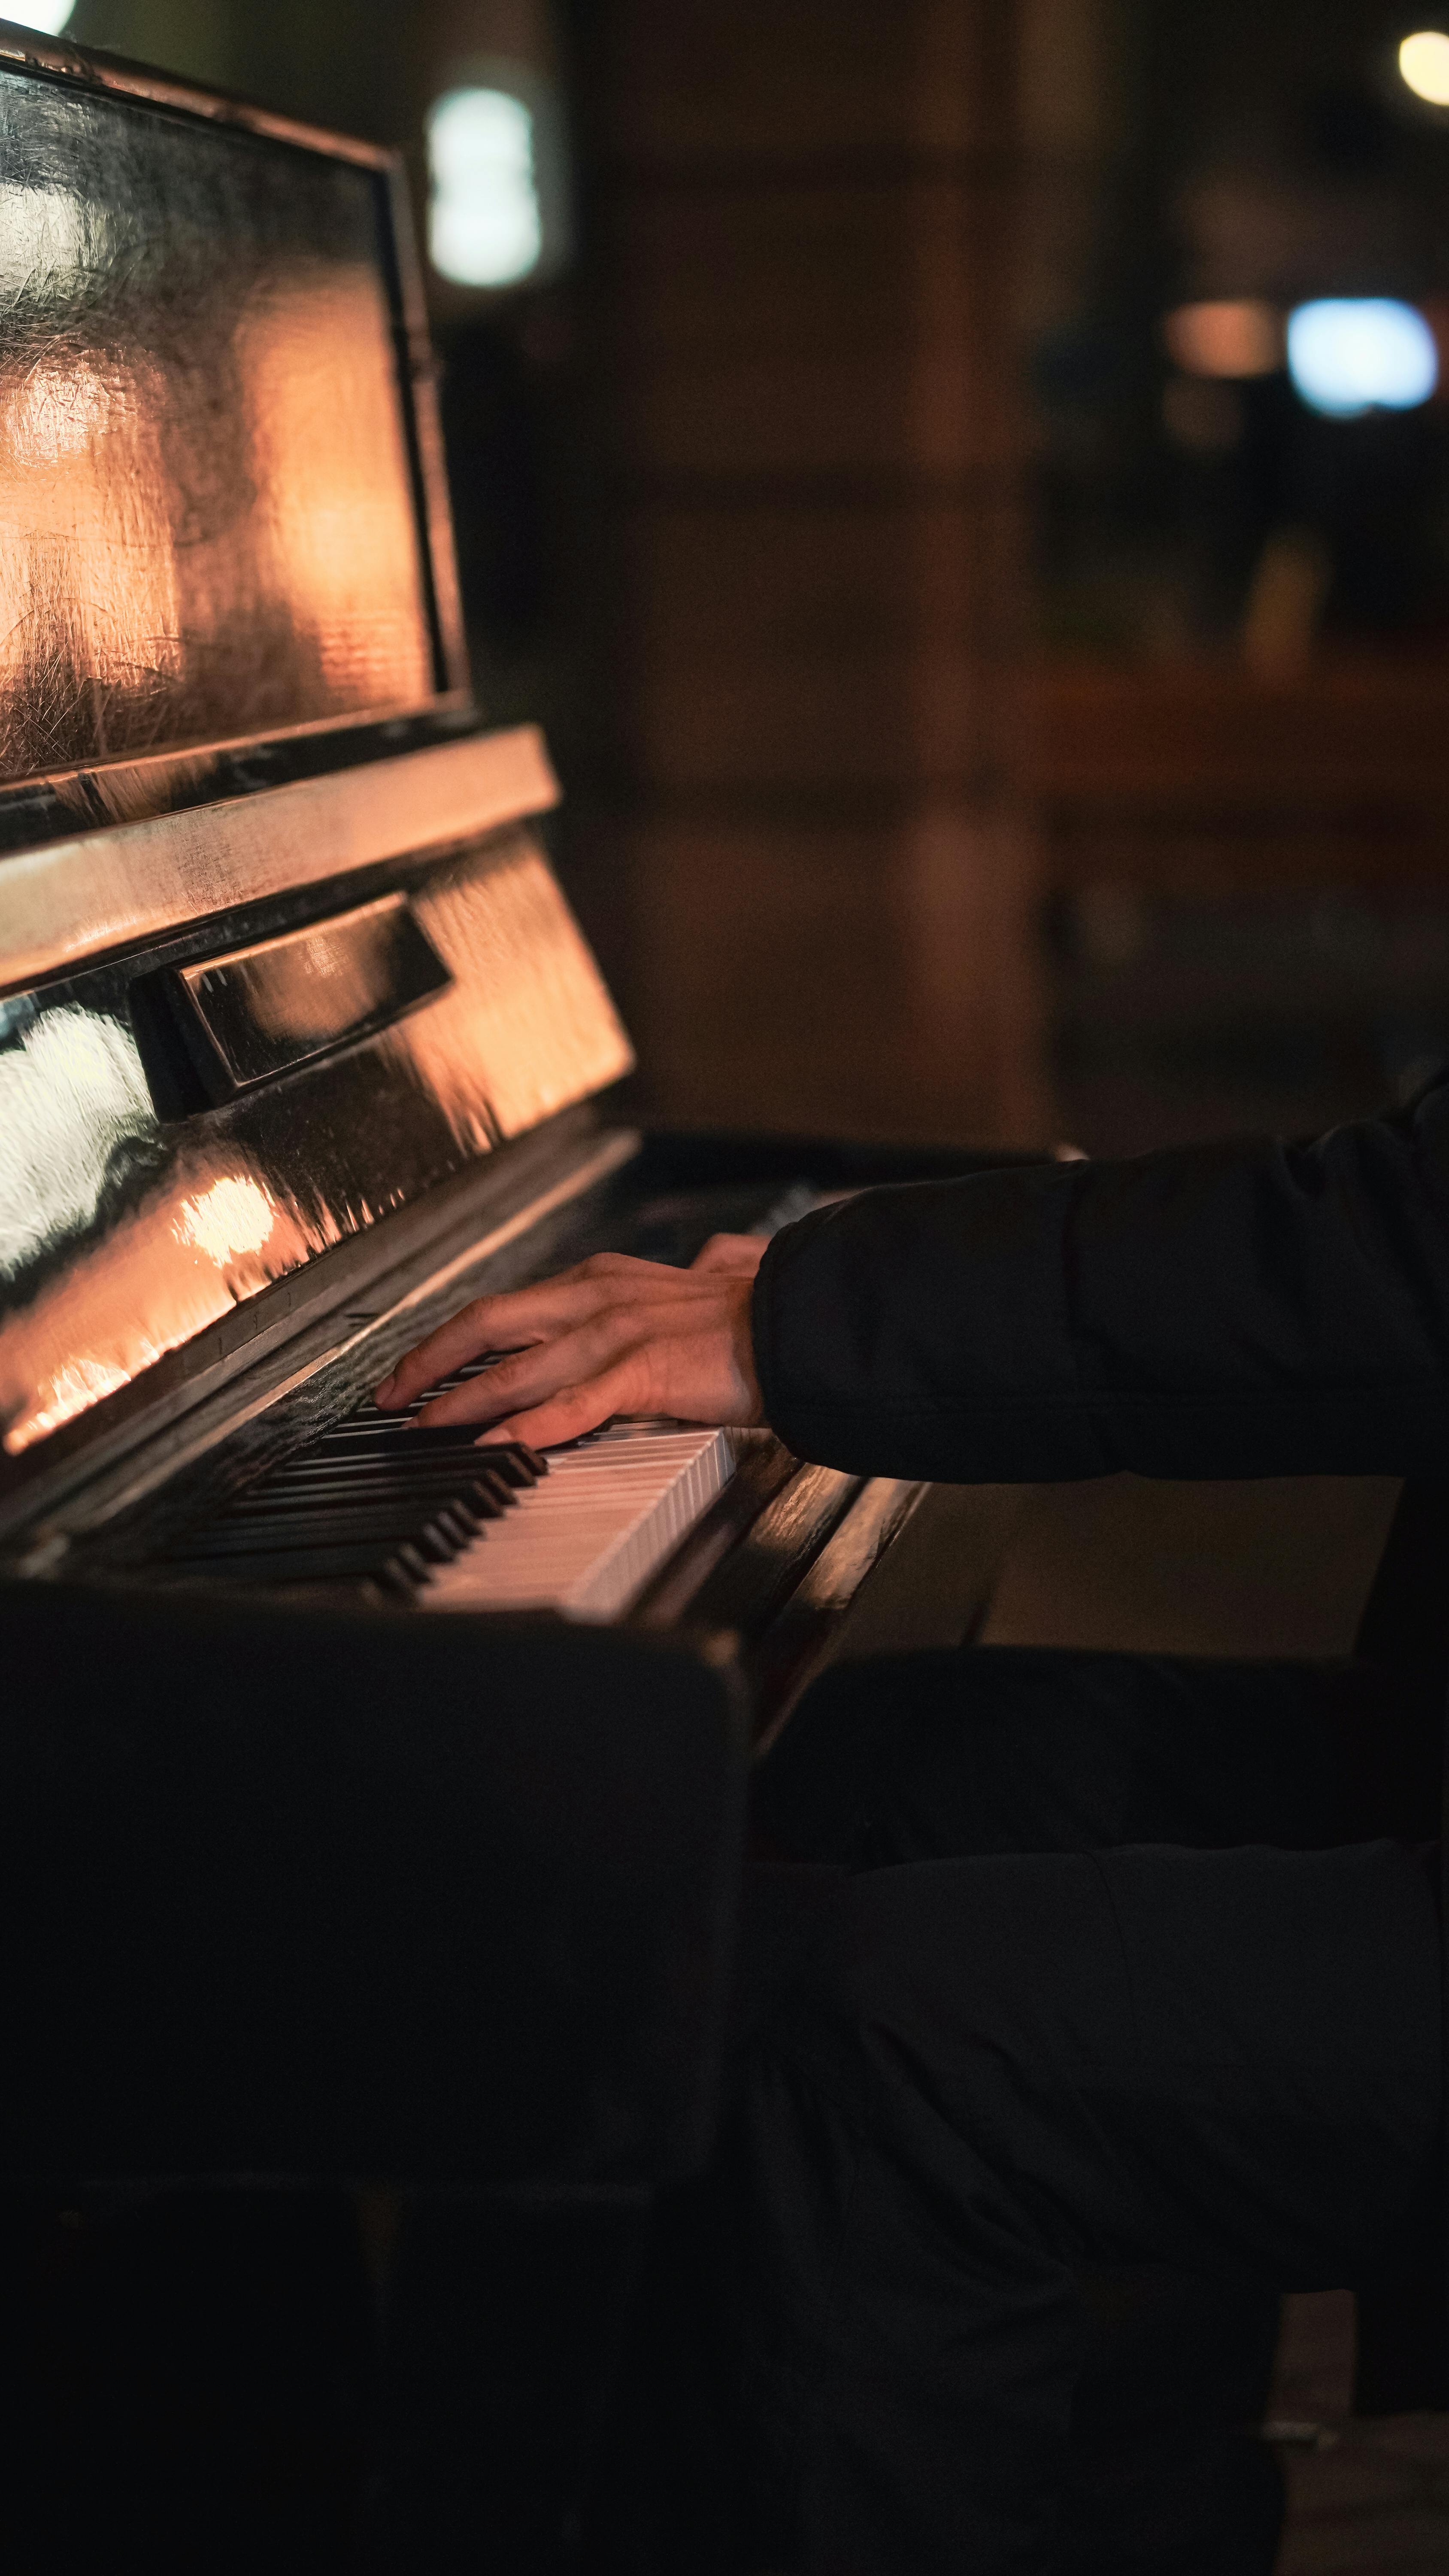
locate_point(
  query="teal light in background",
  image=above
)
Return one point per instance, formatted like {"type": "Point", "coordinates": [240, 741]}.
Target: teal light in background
{"type": "Point", "coordinates": [1350, 355]}
{"type": "Point", "coordinates": [484, 223]}
{"type": "Point", "coordinates": [46, 16]}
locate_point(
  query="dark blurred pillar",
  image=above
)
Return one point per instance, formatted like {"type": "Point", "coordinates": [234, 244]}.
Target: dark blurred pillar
{"type": "Point", "coordinates": [799, 571]}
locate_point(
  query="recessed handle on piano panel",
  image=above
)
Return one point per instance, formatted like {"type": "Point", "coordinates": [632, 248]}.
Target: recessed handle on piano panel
{"type": "Point", "coordinates": [262, 1011]}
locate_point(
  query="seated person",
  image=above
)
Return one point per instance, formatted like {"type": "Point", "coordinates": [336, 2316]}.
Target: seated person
{"type": "Point", "coordinates": [1130, 2031]}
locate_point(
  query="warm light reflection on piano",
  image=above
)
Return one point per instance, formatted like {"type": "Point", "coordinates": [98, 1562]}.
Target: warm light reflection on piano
{"type": "Point", "coordinates": [168, 1225]}
{"type": "Point", "coordinates": [209, 522]}
{"type": "Point", "coordinates": [206, 1239]}
{"type": "Point", "coordinates": [228, 1219]}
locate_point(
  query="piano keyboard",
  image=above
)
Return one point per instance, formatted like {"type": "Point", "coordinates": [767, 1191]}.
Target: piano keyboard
{"type": "Point", "coordinates": [585, 1542]}
{"type": "Point", "coordinates": [435, 1517]}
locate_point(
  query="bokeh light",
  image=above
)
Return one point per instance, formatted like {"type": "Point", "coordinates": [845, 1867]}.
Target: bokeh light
{"type": "Point", "coordinates": [47, 17]}
{"type": "Point", "coordinates": [1350, 355]}
{"type": "Point", "coordinates": [1424, 65]}
{"type": "Point", "coordinates": [1243, 338]}
{"type": "Point", "coordinates": [484, 223]}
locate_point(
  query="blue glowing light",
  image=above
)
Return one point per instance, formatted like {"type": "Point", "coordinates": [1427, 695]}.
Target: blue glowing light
{"type": "Point", "coordinates": [484, 223]}
{"type": "Point", "coordinates": [1369, 353]}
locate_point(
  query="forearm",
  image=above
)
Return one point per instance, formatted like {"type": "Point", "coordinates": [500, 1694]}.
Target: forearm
{"type": "Point", "coordinates": [1243, 1310]}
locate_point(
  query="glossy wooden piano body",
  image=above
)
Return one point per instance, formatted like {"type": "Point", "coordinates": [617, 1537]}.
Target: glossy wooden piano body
{"type": "Point", "coordinates": [300, 1046]}
{"type": "Point", "coordinates": [236, 1284]}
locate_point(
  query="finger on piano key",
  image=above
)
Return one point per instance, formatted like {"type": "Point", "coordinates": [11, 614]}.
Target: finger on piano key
{"type": "Point", "coordinates": [517, 1319]}
{"type": "Point", "coordinates": [514, 1460]}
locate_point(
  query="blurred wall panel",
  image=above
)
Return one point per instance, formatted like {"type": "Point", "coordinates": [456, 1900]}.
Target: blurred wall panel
{"type": "Point", "coordinates": [360, 69]}
{"type": "Point", "coordinates": [1202, 778]}
{"type": "Point", "coordinates": [802, 587]}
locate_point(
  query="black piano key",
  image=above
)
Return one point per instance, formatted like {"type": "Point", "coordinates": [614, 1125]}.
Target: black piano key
{"type": "Point", "coordinates": [402, 1512]}
{"type": "Point", "coordinates": [271, 1539]}
{"type": "Point", "coordinates": [368, 1423]}
{"type": "Point", "coordinates": [487, 1493]}
{"type": "Point", "coordinates": [399, 1568]}
{"type": "Point", "coordinates": [462, 1376]}
{"type": "Point", "coordinates": [454, 1522]}
{"type": "Point", "coordinates": [321, 1529]}
{"type": "Point", "coordinates": [457, 1469]}
{"type": "Point", "coordinates": [370, 1476]}
{"type": "Point", "coordinates": [396, 1440]}
{"type": "Point", "coordinates": [395, 1577]}
{"type": "Point", "coordinates": [512, 1459]}
{"type": "Point", "coordinates": [419, 1404]}
{"type": "Point", "coordinates": [369, 1490]}
{"type": "Point", "coordinates": [398, 1427]}
{"type": "Point", "coordinates": [401, 1432]}
{"type": "Point", "coordinates": [375, 1495]}
{"type": "Point", "coordinates": [515, 1460]}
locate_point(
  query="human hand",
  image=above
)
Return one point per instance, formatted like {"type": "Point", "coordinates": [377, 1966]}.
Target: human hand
{"type": "Point", "coordinates": [741, 1252]}
{"type": "Point", "coordinates": [613, 1336]}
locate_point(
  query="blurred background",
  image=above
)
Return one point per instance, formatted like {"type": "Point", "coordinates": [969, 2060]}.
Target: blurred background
{"type": "Point", "coordinates": [966, 489]}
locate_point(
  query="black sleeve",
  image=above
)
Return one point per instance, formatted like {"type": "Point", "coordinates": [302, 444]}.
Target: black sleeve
{"type": "Point", "coordinates": [1247, 1309]}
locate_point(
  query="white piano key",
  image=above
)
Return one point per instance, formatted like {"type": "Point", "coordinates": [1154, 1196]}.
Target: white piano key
{"type": "Point", "coordinates": [585, 1540]}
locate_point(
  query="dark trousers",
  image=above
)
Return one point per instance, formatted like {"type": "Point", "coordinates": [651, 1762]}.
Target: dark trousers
{"type": "Point", "coordinates": [1174, 2010]}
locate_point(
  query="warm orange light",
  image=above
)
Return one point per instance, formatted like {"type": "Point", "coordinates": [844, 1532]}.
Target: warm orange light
{"type": "Point", "coordinates": [1225, 339]}
{"type": "Point", "coordinates": [84, 581]}
{"type": "Point", "coordinates": [204, 1242]}
{"type": "Point", "coordinates": [234, 1216]}
{"type": "Point", "coordinates": [332, 462]}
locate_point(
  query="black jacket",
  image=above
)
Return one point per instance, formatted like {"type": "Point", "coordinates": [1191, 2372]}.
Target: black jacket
{"type": "Point", "coordinates": [1243, 1309]}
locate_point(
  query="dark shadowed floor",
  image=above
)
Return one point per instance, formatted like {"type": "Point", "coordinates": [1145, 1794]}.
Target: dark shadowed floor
{"type": "Point", "coordinates": [1374, 2500]}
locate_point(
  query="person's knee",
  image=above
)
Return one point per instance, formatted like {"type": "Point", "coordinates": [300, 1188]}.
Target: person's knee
{"type": "Point", "coordinates": [998, 1974]}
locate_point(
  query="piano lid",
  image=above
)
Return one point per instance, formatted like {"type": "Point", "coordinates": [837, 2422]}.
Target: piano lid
{"type": "Point", "coordinates": [224, 544]}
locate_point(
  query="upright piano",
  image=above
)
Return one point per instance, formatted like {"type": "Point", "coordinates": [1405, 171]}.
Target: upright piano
{"type": "Point", "coordinates": [372, 1800]}
{"type": "Point", "coordinates": [373, 1797]}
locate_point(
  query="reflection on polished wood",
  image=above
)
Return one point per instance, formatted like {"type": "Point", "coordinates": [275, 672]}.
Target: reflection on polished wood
{"type": "Point", "coordinates": [77, 899]}
{"type": "Point", "coordinates": [261, 1010]}
{"type": "Point", "coordinates": [210, 520]}
{"type": "Point", "coordinates": [132, 1220]}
